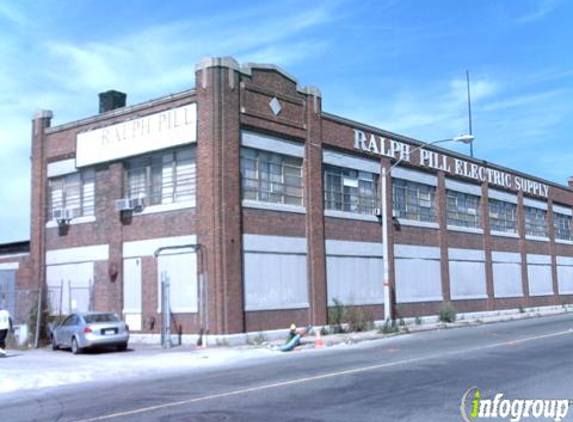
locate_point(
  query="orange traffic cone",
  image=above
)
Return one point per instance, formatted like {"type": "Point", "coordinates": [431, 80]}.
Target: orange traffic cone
{"type": "Point", "coordinates": [318, 342]}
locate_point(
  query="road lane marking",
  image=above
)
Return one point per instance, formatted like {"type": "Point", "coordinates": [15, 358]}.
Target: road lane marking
{"type": "Point", "coordinates": [318, 377]}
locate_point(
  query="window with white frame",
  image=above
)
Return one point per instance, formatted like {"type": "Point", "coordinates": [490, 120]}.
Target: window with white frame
{"type": "Point", "coordinates": [271, 177]}
{"type": "Point", "coordinates": [349, 190]}
{"type": "Point", "coordinates": [74, 192]}
{"type": "Point", "coordinates": [502, 216]}
{"type": "Point", "coordinates": [535, 222]}
{"type": "Point", "coordinates": [414, 201]}
{"type": "Point", "coordinates": [463, 209]}
{"type": "Point", "coordinates": [562, 224]}
{"type": "Point", "coordinates": [164, 178]}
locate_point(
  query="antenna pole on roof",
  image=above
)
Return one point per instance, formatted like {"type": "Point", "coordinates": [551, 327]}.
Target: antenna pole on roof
{"type": "Point", "coordinates": [470, 112]}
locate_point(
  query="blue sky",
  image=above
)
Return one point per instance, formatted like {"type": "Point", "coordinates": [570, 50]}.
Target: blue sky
{"type": "Point", "coordinates": [399, 65]}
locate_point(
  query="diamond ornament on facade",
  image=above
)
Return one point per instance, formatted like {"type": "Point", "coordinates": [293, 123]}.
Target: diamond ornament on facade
{"type": "Point", "coordinates": [275, 106]}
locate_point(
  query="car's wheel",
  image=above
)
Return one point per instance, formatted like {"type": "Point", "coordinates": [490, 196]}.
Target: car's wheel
{"type": "Point", "coordinates": [122, 347]}
{"type": "Point", "coordinates": [76, 349]}
{"type": "Point", "coordinates": [54, 344]}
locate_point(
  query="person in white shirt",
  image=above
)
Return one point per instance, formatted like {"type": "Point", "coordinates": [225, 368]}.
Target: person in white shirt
{"type": "Point", "coordinates": [5, 325]}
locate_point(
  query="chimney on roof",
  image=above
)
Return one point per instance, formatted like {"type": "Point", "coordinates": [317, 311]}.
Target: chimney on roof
{"type": "Point", "coordinates": [110, 100]}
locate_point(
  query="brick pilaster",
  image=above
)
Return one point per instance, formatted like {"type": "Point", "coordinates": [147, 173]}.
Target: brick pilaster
{"type": "Point", "coordinates": [39, 198]}
{"type": "Point", "coordinates": [487, 246]}
{"type": "Point", "coordinates": [315, 211]}
{"type": "Point", "coordinates": [441, 200]}
{"type": "Point", "coordinates": [522, 247]}
{"type": "Point", "coordinates": [218, 190]}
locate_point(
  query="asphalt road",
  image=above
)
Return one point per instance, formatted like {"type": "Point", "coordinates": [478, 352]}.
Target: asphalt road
{"type": "Point", "coordinates": [420, 377]}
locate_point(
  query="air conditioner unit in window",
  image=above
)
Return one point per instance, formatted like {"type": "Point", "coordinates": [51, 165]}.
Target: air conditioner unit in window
{"type": "Point", "coordinates": [62, 215]}
{"type": "Point", "coordinates": [123, 205]}
{"type": "Point", "coordinates": [377, 212]}
{"type": "Point", "coordinates": [137, 203]}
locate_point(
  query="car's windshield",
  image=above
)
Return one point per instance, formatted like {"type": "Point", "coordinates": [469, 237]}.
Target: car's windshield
{"type": "Point", "coordinates": [92, 318]}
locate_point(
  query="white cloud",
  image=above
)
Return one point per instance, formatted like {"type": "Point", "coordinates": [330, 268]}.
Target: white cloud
{"type": "Point", "coordinates": [12, 14]}
{"type": "Point", "coordinates": [541, 9]}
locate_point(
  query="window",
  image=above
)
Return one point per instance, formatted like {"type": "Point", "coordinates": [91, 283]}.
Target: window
{"type": "Point", "coordinates": [349, 190]}
{"type": "Point", "coordinates": [164, 178]}
{"type": "Point", "coordinates": [74, 192]}
{"type": "Point", "coordinates": [463, 210]}
{"type": "Point", "coordinates": [414, 201]}
{"type": "Point", "coordinates": [562, 224]}
{"type": "Point", "coordinates": [271, 177]}
{"type": "Point", "coordinates": [502, 216]}
{"type": "Point", "coordinates": [535, 219]}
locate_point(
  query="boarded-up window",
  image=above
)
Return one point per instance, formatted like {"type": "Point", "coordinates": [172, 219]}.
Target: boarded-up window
{"type": "Point", "coordinates": [418, 274]}
{"type": "Point", "coordinates": [275, 281]}
{"type": "Point", "coordinates": [179, 269]}
{"type": "Point", "coordinates": [507, 274]}
{"type": "Point", "coordinates": [467, 274]}
{"type": "Point", "coordinates": [539, 275]}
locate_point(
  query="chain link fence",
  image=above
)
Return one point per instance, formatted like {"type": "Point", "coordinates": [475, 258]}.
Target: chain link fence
{"type": "Point", "coordinates": [52, 303]}
{"type": "Point", "coordinates": [66, 298]}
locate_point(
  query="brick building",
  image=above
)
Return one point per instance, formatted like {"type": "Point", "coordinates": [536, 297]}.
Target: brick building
{"type": "Point", "coordinates": [259, 208]}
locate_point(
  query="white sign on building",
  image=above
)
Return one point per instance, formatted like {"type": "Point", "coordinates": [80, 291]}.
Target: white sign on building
{"type": "Point", "coordinates": [157, 131]}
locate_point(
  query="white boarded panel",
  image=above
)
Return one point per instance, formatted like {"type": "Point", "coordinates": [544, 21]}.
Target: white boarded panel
{"type": "Point", "coordinates": [466, 254]}
{"type": "Point", "coordinates": [559, 209]}
{"type": "Point", "coordinates": [502, 196]}
{"type": "Point", "coordinates": [540, 280]}
{"type": "Point", "coordinates": [418, 280]}
{"type": "Point", "coordinates": [354, 280]}
{"type": "Point", "coordinates": [415, 251]}
{"type": "Point", "coordinates": [564, 260]}
{"type": "Point", "coordinates": [565, 279]}
{"type": "Point", "coordinates": [351, 248]}
{"type": "Point", "coordinates": [132, 285]}
{"type": "Point", "coordinates": [535, 204]}
{"type": "Point", "coordinates": [275, 281]}
{"type": "Point", "coordinates": [340, 159]}
{"type": "Point", "coordinates": [180, 269]}
{"type": "Point", "coordinates": [507, 279]}
{"type": "Point", "coordinates": [60, 168]}
{"type": "Point", "coordinates": [467, 280]}
{"type": "Point", "coordinates": [463, 187]}
{"type": "Point", "coordinates": [269, 143]}
{"type": "Point", "coordinates": [538, 259]}
{"type": "Point", "coordinates": [69, 287]}
{"type": "Point", "coordinates": [414, 176]}
{"type": "Point", "coordinates": [279, 244]}
{"type": "Point", "coordinates": [506, 257]}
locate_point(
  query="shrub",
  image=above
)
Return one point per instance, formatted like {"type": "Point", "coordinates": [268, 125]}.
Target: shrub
{"type": "Point", "coordinates": [337, 316]}
{"type": "Point", "coordinates": [447, 313]}
{"type": "Point", "coordinates": [358, 320]}
{"type": "Point", "coordinates": [389, 327]}
{"type": "Point", "coordinates": [418, 320]}
{"type": "Point", "coordinates": [354, 318]}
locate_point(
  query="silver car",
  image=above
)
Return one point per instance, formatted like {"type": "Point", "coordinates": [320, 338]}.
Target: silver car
{"type": "Point", "coordinates": [91, 329]}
